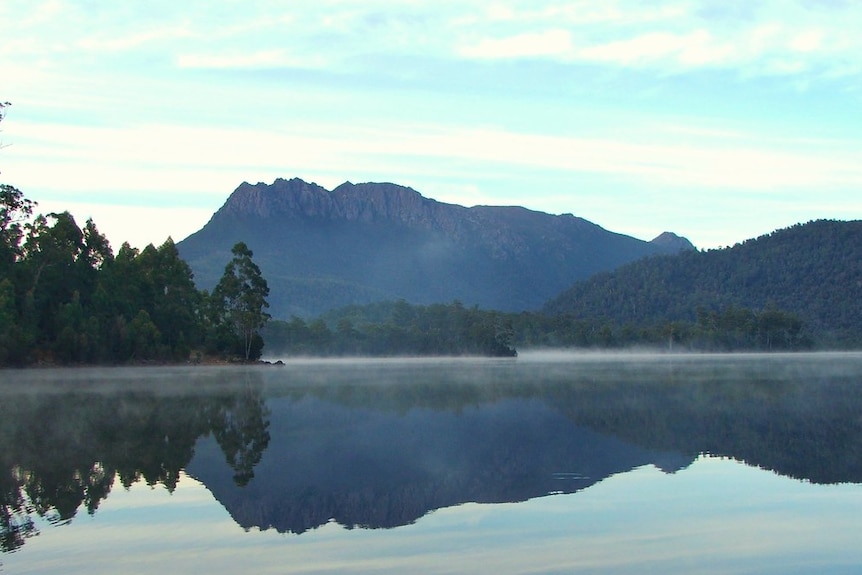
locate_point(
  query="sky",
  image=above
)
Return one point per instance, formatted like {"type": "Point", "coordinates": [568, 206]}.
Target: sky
{"type": "Point", "coordinates": [717, 120]}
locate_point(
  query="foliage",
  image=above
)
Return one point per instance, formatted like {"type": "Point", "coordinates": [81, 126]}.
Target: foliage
{"type": "Point", "coordinates": [239, 301]}
{"type": "Point", "coordinates": [66, 298]}
{"type": "Point", "coordinates": [731, 329]}
{"type": "Point", "coordinates": [14, 210]}
{"type": "Point", "coordinates": [396, 329]}
{"type": "Point", "coordinates": [811, 271]}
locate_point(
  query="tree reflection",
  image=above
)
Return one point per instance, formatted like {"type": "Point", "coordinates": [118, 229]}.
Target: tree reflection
{"type": "Point", "coordinates": [16, 523]}
{"type": "Point", "coordinates": [382, 446]}
{"type": "Point", "coordinates": [52, 467]}
{"type": "Point", "coordinates": [240, 426]}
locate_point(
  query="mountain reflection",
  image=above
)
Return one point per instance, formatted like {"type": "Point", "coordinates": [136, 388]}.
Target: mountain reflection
{"type": "Point", "coordinates": [383, 444]}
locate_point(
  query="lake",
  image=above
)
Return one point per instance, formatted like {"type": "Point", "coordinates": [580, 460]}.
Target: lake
{"type": "Point", "coordinates": [548, 463]}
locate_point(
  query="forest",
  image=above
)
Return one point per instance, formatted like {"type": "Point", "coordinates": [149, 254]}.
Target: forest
{"type": "Point", "coordinates": [65, 298]}
{"type": "Point", "coordinates": [396, 329]}
{"type": "Point", "coordinates": [399, 328]}
{"type": "Point", "coordinates": [730, 329]}
{"type": "Point", "coordinates": [811, 272]}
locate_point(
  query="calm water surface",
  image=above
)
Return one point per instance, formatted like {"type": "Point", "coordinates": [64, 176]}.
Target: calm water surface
{"type": "Point", "coordinates": [548, 463]}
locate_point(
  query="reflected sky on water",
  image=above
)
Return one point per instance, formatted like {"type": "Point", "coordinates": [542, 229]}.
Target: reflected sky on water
{"type": "Point", "coordinates": [442, 467]}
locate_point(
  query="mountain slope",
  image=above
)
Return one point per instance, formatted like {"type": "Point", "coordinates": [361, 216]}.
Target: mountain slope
{"type": "Point", "coordinates": [360, 243]}
{"type": "Point", "coordinates": [812, 270]}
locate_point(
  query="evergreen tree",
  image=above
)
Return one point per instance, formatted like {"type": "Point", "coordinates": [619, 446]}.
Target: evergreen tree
{"type": "Point", "coordinates": [240, 297]}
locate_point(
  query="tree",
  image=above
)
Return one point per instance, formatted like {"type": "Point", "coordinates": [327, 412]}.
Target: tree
{"type": "Point", "coordinates": [241, 298]}
{"type": "Point", "coordinates": [176, 300]}
{"type": "Point", "coordinates": [14, 210]}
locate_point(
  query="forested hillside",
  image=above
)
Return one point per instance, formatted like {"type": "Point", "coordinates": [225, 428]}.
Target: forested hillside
{"type": "Point", "coordinates": [812, 271]}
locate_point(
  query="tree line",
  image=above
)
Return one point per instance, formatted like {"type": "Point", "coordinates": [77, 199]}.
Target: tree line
{"type": "Point", "coordinates": [396, 329]}
{"type": "Point", "coordinates": [66, 298]}
{"type": "Point", "coordinates": [399, 328]}
{"type": "Point", "coordinates": [733, 328]}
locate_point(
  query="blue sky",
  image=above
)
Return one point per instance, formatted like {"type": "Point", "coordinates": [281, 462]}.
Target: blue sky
{"type": "Point", "coordinates": [718, 120]}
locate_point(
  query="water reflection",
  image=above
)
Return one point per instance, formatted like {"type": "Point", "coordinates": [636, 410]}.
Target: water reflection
{"type": "Point", "coordinates": [382, 445]}
{"type": "Point", "coordinates": [67, 439]}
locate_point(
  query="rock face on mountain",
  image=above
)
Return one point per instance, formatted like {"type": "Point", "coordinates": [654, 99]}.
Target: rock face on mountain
{"type": "Point", "coordinates": [360, 243]}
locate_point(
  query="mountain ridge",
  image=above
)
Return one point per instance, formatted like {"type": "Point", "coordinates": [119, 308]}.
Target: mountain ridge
{"type": "Point", "coordinates": [367, 242]}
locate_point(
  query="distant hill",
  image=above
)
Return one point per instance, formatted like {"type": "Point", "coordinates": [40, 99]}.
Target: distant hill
{"type": "Point", "coordinates": [361, 243]}
{"type": "Point", "coordinates": [813, 270]}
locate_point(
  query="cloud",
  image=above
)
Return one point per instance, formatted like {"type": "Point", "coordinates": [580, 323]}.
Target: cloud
{"type": "Point", "coordinates": [134, 40]}
{"type": "Point", "coordinates": [693, 48]}
{"type": "Point", "coordinates": [261, 59]}
{"type": "Point", "coordinates": [774, 38]}
{"type": "Point", "coordinates": [705, 177]}
{"type": "Point", "coordinates": [194, 159]}
{"type": "Point", "coordinates": [807, 41]}
{"type": "Point", "coordinates": [666, 36]}
{"type": "Point", "coordinates": [552, 42]}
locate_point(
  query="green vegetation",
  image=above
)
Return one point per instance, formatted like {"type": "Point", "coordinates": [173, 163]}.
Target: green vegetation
{"type": "Point", "coordinates": [401, 329]}
{"type": "Point", "coordinates": [810, 273]}
{"type": "Point", "coordinates": [732, 329]}
{"type": "Point", "coordinates": [66, 298]}
{"type": "Point", "coordinates": [396, 329]}
{"type": "Point", "coordinates": [238, 301]}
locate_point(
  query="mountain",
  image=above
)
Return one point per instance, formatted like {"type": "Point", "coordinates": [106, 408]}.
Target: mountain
{"type": "Point", "coordinates": [377, 469]}
{"type": "Point", "coordinates": [812, 270]}
{"type": "Point", "coordinates": [361, 243]}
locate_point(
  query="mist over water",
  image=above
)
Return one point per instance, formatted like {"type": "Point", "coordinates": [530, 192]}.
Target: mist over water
{"type": "Point", "coordinates": [417, 453]}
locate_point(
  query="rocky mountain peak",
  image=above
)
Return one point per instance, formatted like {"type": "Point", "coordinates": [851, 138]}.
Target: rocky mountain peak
{"type": "Point", "coordinates": [296, 198]}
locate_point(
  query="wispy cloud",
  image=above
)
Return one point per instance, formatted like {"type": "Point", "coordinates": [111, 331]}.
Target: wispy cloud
{"type": "Point", "coordinates": [679, 156]}
{"type": "Point", "coordinates": [666, 36]}
{"type": "Point", "coordinates": [554, 43]}
{"type": "Point", "coordinates": [777, 38]}
{"type": "Point", "coordinates": [256, 60]}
